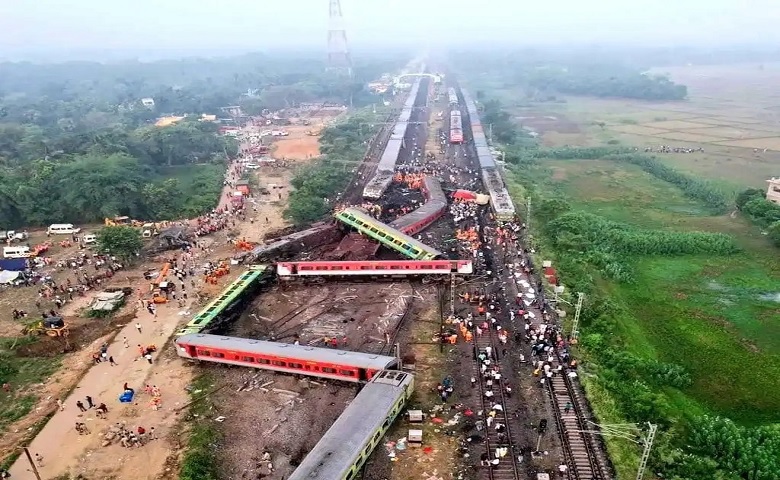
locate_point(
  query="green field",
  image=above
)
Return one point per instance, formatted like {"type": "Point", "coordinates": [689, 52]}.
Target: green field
{"type": "Point", "coordinates": [717, 316]}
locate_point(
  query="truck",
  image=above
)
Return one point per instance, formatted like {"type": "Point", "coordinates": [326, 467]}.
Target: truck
{"type": "Point", "coordinates": [243, 187]}
{"type": "Point", "coordinates": [237, 199]}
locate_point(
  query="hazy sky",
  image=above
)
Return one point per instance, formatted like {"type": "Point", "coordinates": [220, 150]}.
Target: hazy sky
{"type": "Point", "coordinates": [264, 24]}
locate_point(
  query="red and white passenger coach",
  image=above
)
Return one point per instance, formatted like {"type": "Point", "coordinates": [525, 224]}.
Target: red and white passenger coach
{"type": "Point", "coordinates": [375, 267]}
{"type": "Point", "coordinates": [284, 357]}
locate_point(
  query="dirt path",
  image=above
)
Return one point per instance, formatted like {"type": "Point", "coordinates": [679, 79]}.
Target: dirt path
{"type": "Point", "coordinates": [64, 450]}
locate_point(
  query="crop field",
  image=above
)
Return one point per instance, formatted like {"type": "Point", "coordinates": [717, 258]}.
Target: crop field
{"type": "Point", "coordinates": [733, 114]}
{"type": "Point", "coordinates": [715, 315]}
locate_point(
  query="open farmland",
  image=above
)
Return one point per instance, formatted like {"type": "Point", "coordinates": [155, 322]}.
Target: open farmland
{"type": "Point", "coordinates": [733, 114]}
{"type": "Point", "coordinates": [713, 314]}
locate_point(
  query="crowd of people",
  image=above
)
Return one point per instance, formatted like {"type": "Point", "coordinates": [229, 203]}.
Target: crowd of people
{"type": "Point", "coordinates": [669, 149]}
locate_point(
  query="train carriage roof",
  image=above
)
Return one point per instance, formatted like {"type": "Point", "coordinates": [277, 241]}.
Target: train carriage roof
{"type": "Point", "coordinates": [303, 353]}
{"type": "Point", "coordinates": [333, 455]}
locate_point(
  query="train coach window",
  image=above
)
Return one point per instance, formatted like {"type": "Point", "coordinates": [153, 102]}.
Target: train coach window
{"type": "Point", "coordinates": [295, 365]}
{"type": "Point", "coordinates": [248, 359]}
{"type": "Point", "coordinates": [204, 353]}
{"type": "Point", "coordinates": [279, 363]}
{"type": "Point", "coordinates": [346, 373]}
{"type": "Point", "coordinates": [328, 370]}
{"type": "Point", "coordinates": [218, 355]}
{"type": "Point", "coordinates": [264, 361]}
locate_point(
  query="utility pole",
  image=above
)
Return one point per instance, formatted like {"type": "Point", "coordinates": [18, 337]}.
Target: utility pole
{"type": "Point", "coordinates": [631, 432]}
{"type": "Point", "coordinates": [646, 452]}
{"type": "Point", "coordinates": [32, 463]}
{"type": "Point", "coordinates": [575, 324]}
{"type": "Point", "coordinates": [452, 295]}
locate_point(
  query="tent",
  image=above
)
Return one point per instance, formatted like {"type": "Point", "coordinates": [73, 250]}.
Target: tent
{"type": "Point", "coordinates": [8, 277]}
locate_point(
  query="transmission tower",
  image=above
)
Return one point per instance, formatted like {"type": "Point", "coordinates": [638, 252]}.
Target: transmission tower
{"type": "Point", "coordinates": [338, 52]}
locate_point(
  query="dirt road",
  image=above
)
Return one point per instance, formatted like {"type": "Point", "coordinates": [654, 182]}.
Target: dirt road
{"type": "Point", "coordinates": [64, 450]}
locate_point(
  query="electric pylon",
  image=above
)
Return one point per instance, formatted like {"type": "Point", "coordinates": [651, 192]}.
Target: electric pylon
{"type": "Point", "coordinates": [338, 52]}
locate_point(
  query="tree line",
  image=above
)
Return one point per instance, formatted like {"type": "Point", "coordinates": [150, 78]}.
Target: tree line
{"type": "Point", "coordinates": [80, 96]}
{"type": "Point", "coordinates": [113, 171]}
{"type": "Point", "coordinates": [599, 83]}
{"type": "Point", "coordinates": [544, 75]}
{"type": "Point", "coordinates": [610, 246]}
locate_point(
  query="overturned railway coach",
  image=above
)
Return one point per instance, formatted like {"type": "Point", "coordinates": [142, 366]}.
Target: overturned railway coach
{"type": "Point", "coordinates": [386, 235]}
{"type": "Point", "coordinates": [422, 217]}
{"type": "Point", "coordinates": [284, 357]}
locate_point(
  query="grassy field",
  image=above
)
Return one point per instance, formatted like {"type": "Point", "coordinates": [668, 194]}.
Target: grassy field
{"type": "Point", "coordinates": [732, 111]}
{"type": "Point", "coordinates": [20, 372]}
{"type": "Point", "coordinates": [717, 316]}
{"type": "Point", "coordinates": [714, 315]}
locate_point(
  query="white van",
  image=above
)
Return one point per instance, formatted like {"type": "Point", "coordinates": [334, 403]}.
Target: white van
{"type": "Point", "coordinates": [62, 229]}
{"type": "Point", "coordinates": [89, 239]}
{"type": "Point", "coordinates": [16, 252]}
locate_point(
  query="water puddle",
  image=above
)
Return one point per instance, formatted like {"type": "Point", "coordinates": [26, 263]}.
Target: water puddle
{"type": "Point", "coordinates": [770, 297]}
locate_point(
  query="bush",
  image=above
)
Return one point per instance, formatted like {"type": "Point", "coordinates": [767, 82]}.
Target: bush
{"type": "Point", "coordinates": [609, 245]}
{"type": "Point", "coordinates": [200, 460]}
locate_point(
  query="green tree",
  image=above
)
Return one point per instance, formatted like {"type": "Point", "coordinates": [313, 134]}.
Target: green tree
{"type": "Point", "coordinates": [774, 233]}
{"type": "Point", "coordinates": [122, 242]}
{"type": "Point", "coordinates": [747, 195]}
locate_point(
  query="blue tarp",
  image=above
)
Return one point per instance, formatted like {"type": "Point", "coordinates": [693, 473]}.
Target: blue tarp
{"type": "Point", "coordinates": [13, 264]}
{"type": "Point", "coordinates": [126, 397]}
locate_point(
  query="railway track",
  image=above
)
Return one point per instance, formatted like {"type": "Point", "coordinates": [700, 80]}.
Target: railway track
{"type": "Point", "coordinates": [585, 456]}
{"type": "Point", "coordinates": [354, 193]}
{"type": "Point", "coordinates": [507, 468]}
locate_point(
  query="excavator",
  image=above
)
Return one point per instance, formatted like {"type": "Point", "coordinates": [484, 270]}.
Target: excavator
{"type": "Point", "coordinates": [118, 221]}
{"type": "Point", "coordinates": [51, 326]}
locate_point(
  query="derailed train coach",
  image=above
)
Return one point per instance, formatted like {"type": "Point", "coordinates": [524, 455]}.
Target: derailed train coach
{"type": "Point", "coordinates": [284, 357]}
{"type": "Point", "coordinates": [343, 450]}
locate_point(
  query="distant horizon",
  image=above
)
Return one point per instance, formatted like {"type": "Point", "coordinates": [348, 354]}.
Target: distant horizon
{"type": "Point", "coordinates": [46, 55]}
